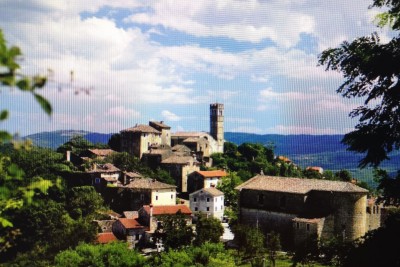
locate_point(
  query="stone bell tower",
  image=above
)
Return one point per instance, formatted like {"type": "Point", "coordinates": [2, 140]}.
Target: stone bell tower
{"type": "Point", "coordinates": [217, 124]}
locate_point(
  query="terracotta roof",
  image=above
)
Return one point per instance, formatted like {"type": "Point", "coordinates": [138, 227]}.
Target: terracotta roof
{"type": "Point", "coordinates": [141, 128]}
{"type": "Point", "coordinates": [102, 152]}
{"type": "Point", "coordinates": [165, 210]}
{"type": "Point", "coordinates": [159, 124]}
{"type": "Point", "coordinates": [211, 191]}
{"type": "Point", "coordinates": [216, 173]}
{"type": "Point", "coordinates": [147, 183]}
{"type": "Point", "coordinates": [298, 185]}
{"type": "Point", "coordinates": [284, 159]}
{"type": "Point", "coordinates": [180, 148]}
{"type": "Point", "coordinates": [178, 160]}
{"type": "Point", "coordinates": [104, 238]}
{"type": "Point", "coordinates": [130, 223]}
{"type": "Point", "coordinates": [104, 168]}
{"type": "Point", "coordinates": [189, 134]}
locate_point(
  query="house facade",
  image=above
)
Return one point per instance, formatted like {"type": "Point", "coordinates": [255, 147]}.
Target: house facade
{"type": "Point", "coordinates": [151, 216]}
{"type": "Point", "coordinates": [204, 179]}
{"type": "Point", "coordinates": [179, 167]}
{"type": "Point", "coordinates": [208, 201]}
{"type": "Point", "coordinates": [144, 191]}
{"type": "Point", "coordinates": [300, 209]}
{"type": "Point", "coordinates": [129, 230]}
{"type": "Point", "coordinates": [138, 139]}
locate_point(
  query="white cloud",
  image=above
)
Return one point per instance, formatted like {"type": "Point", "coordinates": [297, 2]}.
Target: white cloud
{"type": "Point", "coordinates": [169, 116]}
{"type": "Point", "coordinates": [123, 112]}
{"type": "Point", "coordinates": [248, 129]}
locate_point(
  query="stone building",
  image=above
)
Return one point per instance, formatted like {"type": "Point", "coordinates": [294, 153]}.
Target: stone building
{"type": "Point", "coordinates": [138, 139]}
{"type": "Point", "coordinates": [143, 191]}
{"type": "Point", "coordinates": [151, 216]}
{"type": "Point", "coordinates": [300, 209]}
{"type": "Point", "coordinates": [204, 179]}
{"type": "Point", "coordinates": [209, 201]}
{"type": "Point", "coordinates": [179, 167]}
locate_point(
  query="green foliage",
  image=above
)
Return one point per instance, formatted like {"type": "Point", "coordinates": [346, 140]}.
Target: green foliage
{"type": "Point", "coordinates": [273, 246]}
{"type": "Point", "coordinates": [76, 144]}
{"type": "Point", "coordinates": [250, 242]}
{"type": "Point", "coordinates": [343, 175]}
{"type": "Point", "coordinates": [84, 201]}
{"type": "Point", "coordinates": [208, 230]}
{"type": "Point", "coordinates": [378, 247]}
{"type": "Point", "coordinates": [227, 186]}
{"type": "Point", "coordinates": [10, 77]}
{"type": "Point", "coordinates": [389, 187]}
{"type": "Point", "coordinates": [174, 231]}
{"type": "Point", "coordinates": [115, 142]}
{"type": "Point", "coordinates": [208, 254]}
{"type": "Point", "coordinates": [370, 69]}
{"type": "Point", "coordinates": [107, 255]}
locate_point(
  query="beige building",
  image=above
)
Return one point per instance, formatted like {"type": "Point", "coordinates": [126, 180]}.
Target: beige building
{"type": "Point", "coordinates": [144, 191]}
{"type": "Point", "coordinates": [138, 140]}
{"type": "Point", "coordinates": [300, 209]}
{"type": "Point", "coordinates": [179, 167]}
{"type": "Point", "coordinates": [209, 201]}
{"type": "Point", "coordinates": [204, 179]}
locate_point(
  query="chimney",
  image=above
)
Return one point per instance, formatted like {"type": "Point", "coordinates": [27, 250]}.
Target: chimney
{"type": "Point", "coordinates": [68, 155]}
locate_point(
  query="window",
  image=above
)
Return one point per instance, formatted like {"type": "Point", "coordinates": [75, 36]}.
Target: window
{"type": "Point", "coordinates": [97, 180]}
{"type": "Point", "coordinates": [194, 199]}
{"type": "Point", "coordinates": [141, 196]}
{"type": "Point", "coordinates": [196, 208]}
{"type": "Point", "coordinates": [208, 199]}
{"type": "Point", "coordinates": [297, 225]}
{"type": "Point", "coordinates": [260, 199]}
{"type": "Point", "coordinates": [137, 237]}
{"type": "Point", "coordinates": [222, 207]}
{"type": "Point", "coordinates": [172, 196]}
{"type": "Point", "coordinates": [216, 208]}
{"type": "Point", "coordinates": [308, 227]}
{"type": "Point", "coordinates": [208, 208]}
{"type": "Point", "coordinates": [156, 197]}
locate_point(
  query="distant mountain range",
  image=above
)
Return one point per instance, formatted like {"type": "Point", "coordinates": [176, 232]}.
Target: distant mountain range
{"type": "Point", "coordinates": [325, 151]}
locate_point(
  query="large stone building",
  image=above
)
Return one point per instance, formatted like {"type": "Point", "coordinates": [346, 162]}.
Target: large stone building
{"type": "Point", "coordinates": [300, 209]}
{"type": "Point", "coordinates": [141, 138]}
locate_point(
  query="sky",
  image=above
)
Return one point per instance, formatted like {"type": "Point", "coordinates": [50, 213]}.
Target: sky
{"type": "Point", "coordinates": [134, 61]}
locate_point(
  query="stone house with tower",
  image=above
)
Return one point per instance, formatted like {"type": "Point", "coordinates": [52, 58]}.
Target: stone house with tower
{"type": "Point", "coordinates": [180, 153]}
{"type": "Point", "coordinates": [301, 209]}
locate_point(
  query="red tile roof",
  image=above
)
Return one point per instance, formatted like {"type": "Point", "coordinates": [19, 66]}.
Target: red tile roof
{"type": "Point", "coordinates": [130, 223]}
{"type": "Point", "coordinates": [165, 210]}
{"type": "Point", "coordinates": [104, 238]}
{"type": "Point", "coordinates": [216, 173]}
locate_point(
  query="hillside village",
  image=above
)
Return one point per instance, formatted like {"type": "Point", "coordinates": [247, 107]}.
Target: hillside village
{"type": "Point", "coordinates": [296, 208]}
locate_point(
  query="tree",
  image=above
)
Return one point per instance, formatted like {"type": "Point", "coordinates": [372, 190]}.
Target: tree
{"type": "Point", "coordinates": [10, 77]}
{"type": "Point", "coordinates": [115, 142]}
{"type": "Point", "coordinates": [371, 72]}
{"type": "Point", "coordinates": [251, 243]}
{"type": "Point", "coordinates": [84, 201]}
{"type": "Point", "coordinates": [343, 175]}
{"type": "Point", "coordinates": [208, 230]}
{"type": "Point", "coordinates": [76, 144]}
{"type": "Point", "coordinates": [113, 254]}
{"type": "Point", "coordinates": [389, 187]}
{"type": "Point", "coordinates": [174, 231]}
{"type": "Point", "coordinates": [273, 246]}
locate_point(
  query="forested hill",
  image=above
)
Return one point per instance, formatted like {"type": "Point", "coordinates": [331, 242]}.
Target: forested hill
{"type": "Point", "coordinates": [325, 151]}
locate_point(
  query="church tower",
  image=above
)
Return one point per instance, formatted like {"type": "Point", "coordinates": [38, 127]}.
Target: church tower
{"type": "Point", "coordinates": [217, 124]}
